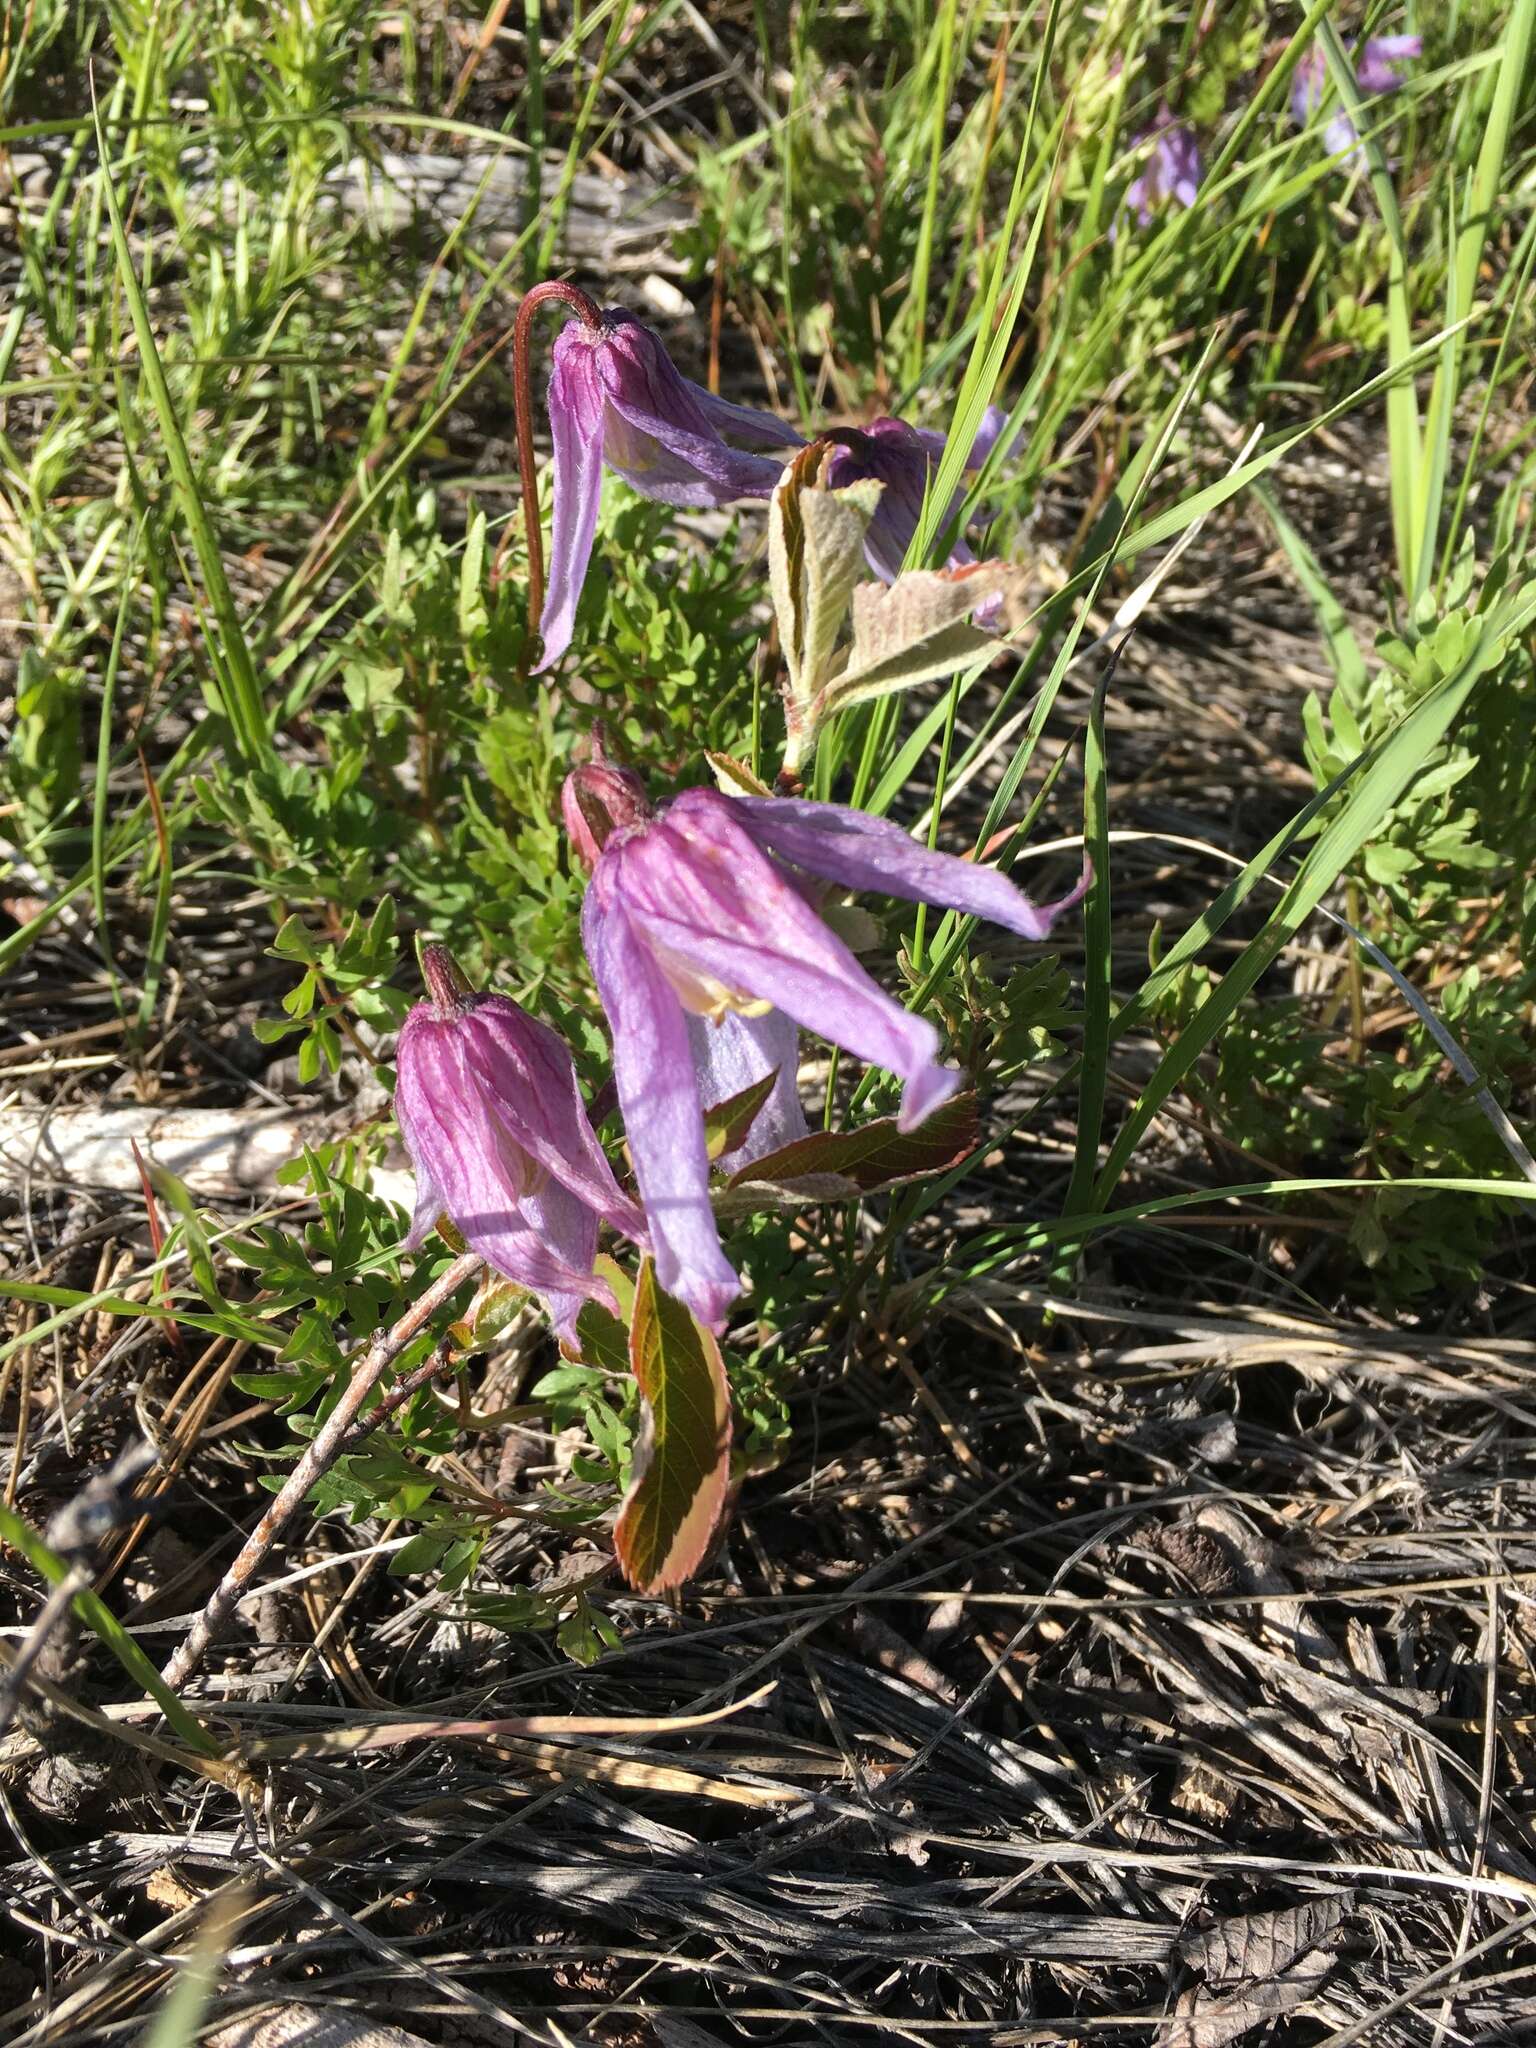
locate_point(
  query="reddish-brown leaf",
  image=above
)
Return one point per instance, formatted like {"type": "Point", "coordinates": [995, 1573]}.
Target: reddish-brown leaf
{"type": "Point", "coordinates": [875, 1156]}
{"type": "Point", "coordinates": [681, 1469]}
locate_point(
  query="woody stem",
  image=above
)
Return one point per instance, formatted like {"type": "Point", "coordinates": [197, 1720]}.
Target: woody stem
{"type": "Point", "coordinates": [587, 310]}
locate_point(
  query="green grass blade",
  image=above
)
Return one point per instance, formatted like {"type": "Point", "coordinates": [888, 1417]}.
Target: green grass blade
{"type": "Point", "coordinates": [95, 1615]}
{"type": "Point", "coordinates": [1404, 447]}
{"type": "Point", "coordinates": [242, 695]}
{"type": "Point", "coordinates": [1000, 1249]}
{"type": "Point", "coordinates": [1098, 942]}
{"type": "Point", "coordinates": [103, 767]}
{"type": "Point", "coordinates": [1439, 419]}
{"type": "Point", "coordinates": [1471, 469]}
{"type": "Point", "coordinates": [994, 329]}
{"type": "Point", "coordinates": [1382, 775]}
{"type": "Point", "coordinates": [922, 262]}
{"type": "Point", "coordinates": [1344, 655]}
{"type": "Point", "coordinates": [1462, 271]}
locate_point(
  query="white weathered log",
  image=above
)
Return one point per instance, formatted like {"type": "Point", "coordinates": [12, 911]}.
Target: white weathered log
{"type": "Point", "coordinates": [219, 1153]}
{"type": "Point", "coordinates": [620, 222]}
{"type": "Point", "coordinates": [301, 2026]}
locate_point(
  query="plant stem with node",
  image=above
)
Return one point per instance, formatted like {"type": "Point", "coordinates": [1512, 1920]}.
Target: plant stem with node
{"type": "Point", "coordinates": [316, 1461]}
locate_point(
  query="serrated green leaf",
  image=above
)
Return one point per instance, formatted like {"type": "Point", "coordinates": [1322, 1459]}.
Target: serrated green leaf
{"type": "Point", "coordinates": [839, 1165]}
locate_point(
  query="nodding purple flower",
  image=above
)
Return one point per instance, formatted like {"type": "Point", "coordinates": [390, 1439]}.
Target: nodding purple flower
{"type": "Point", "coordinates": [903, 458]}
{"type": "Point", "coordinates": [491, 1113]}
{"type": "Point", "coordinates": [1171, 175]}
{"type": "Point", "coordinates": [616, 397]}
{"type": "Point", "coordinates": [701, 926]}
{"type": "Point", "coordinates": [1378, 69]}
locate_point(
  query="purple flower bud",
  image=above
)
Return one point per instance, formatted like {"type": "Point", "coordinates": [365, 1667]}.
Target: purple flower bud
{"type": "Point", "coordinates": [702, 930]}
{"type": "Point", "coordinates": [491, 1113]}
{"type": "Point", "coordinates": [616, 397]}
{"type": "Point", "coordinates": [599, 799]}
{"type": "Point", "coordinates": [1171, 176]}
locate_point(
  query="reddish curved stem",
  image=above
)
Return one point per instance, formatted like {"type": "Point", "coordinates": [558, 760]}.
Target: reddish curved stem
{"type": "Point", "coordinates": [585, 309]}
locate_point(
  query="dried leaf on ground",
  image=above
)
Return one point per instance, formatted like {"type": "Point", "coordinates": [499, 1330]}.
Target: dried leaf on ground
{"type": "Point", "coordinates": [1256, 1966]}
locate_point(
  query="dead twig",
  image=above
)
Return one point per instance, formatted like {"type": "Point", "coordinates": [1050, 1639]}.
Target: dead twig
{"type": "Point", "coordinates": [315, 1462]}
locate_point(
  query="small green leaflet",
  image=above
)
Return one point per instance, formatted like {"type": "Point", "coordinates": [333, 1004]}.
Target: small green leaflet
{"type": "Point", "coordinates": [682, 1459]}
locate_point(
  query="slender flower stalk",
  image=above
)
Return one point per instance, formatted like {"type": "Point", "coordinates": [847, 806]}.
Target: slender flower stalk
{"type": "Point", "coordinates": [492, 1115]}
{"type": "Point", "coordinates": [702, 928]}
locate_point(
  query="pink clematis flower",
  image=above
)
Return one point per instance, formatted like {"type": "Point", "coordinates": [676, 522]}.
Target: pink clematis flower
{"type": "Point", "coordinates": [903, 458]}
{"type": "Point", "coordinates": [491, 1113]}
{"type": "Point", "coordinates": [616, 397]}
{"type": "Point", "coordinates": [709, 954]}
